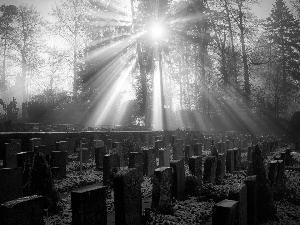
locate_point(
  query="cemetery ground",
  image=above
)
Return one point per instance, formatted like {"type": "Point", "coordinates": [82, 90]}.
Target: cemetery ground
{"type": "Point", "coordinates": [198, 203]}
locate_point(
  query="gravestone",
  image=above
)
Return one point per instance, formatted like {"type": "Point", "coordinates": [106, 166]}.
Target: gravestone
{"type": "Point", "coordinates": [222, 157]}
{"type": "Point", "coordinates": [225, 212]}
{"type": "Point", "coordinates": [230, 161]}
{"type": "Point", "coordinates": [220, 148]}
{"type": "Point", "coordinates": [187, 154]}
{"type": "Point", "coordinates": [22, 157]}
{"type": "Point", "coordinates": [149, 162]}
{"type": "Point", "coordinates": [158, 145]}
{"type": "Point", "coordinates": [210, 169]}
{"type": "Point", "coordinates": [178, 150]}
{"type": "Point", "coordinates": [119, 149]}
{"type": "Point", "coordinates": [89, 206]}
{"type": "Point", "coordinates": [251, 184]}
{"type": "Point", "coordinates": [238, 192]}
{"type": "Point", "coordinates": [249, 153]}
{"type": "Point", "coordinates": [127, 197]}
{"type": "Point", "coordinates": [161, 192]}
{"type": "Point", "coordinates": [178, 185]}
{"type": "Point", "coordinates": [10, 184]}
{"type": "Point", "coordinates": [147, 140]}
{"type": "Point", "coordinates": [34, 142]}
{"type": "Point", "coordinates": [110, 161]}
{"type": "Point", "coordinates": [71, 142]}
{"type": "Point", "coordinates": [26, 211]}
{"type": "Point", "coordinates": [136, 160]}
{"type": "Point", "coordinates": [273, 169]}
{"type": "Point", "coordinates": [43, 149]}
{"type": "Point", "coordinates": [173, 139]}
{"type": "Point", "coordinates": [198, 149]}
{"type": "Point", "coordinates": [287, 156]}
{"type": "Point", "coordinates": [108, 145]}
{"type": "Point", "coordinates": [195, 166]}
{"type": "Point", "coordinates": [62, 146]}
{"type": "Point", "coordinates": [18, 141]}
{"type": "Point", "coordinates": [10, 155]}
{"type": "Point", "coordinates": [58, 159]}
{"type": "Point", "coordinates": [95, 144]}
{"type": "Point", "coordinates": [280, 170]}
{"type": "Point", "coordinates": [99, 156]}
{"type": "Point", "coordinates": [85, 154]}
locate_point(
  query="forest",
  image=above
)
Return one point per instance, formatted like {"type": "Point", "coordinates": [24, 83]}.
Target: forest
{"type": "Point", "coordinates": [162, 65]}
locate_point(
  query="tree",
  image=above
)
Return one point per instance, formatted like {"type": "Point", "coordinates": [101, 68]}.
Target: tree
{"type": "Point", "coordinates": [70, 24]}
{"type": "Point", "coordinates": [282, 32]}
{"type": "Point", "coordinates": [26, 41]}
{"type": "Point", "coordinates": [9, 13]}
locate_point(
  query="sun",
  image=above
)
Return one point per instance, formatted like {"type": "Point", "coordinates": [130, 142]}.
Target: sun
{"type": "Point", "coordinates": [157, 31]}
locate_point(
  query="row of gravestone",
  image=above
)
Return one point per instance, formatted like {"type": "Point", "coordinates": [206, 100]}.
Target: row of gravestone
{"type": "Point", "coordinates": [241, 204]}
{"type": "Point", "coordinates": [89, 204]}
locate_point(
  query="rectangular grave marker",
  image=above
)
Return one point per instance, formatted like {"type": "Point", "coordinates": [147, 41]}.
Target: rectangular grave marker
{"type": "Point", "coordinates": [161, 193]}
{"type": "Point", "coordinates": [136, 160]}
{"type": "Point", "coordinates": [10, 184]}
{"type": "Point", "coordinates": [10, 155]}
{"type": "Point", "coordinates": [149, 162]}
{"type": "Point", "coordinates": [195, 166]}
{"type": "Point", "coordinates": [178, 186]}
{"type": "Point", "coordinates": [109, 162]}
{"type": "Point", "coordinates": [127, 197]}
{"type": "Point", "coordinates": [25, 210]}
{"type": "Point", "coordinates": [89, 206]}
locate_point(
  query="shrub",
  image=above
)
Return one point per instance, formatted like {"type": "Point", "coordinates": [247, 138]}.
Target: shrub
{"type": "Point", "coordinates": [215, 192]}
{"type": "Point", "coordinates": [265, 203]}
{"type": "Point", "coordinates": [40, 181]}
{"type": "Point", "coordinates": [191, 186]}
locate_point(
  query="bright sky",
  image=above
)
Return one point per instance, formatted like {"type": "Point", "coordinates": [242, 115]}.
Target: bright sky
{"type": "Point", "coordinates": [44, 6]}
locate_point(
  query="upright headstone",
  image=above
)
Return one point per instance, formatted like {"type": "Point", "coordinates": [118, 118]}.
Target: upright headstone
{"type": "Point", "coordinates": [58, 159]}
{"type": "Point", "coordinates": [210, 169]}
{"type": "Point", "coordinates": [249, 153]}
{"type": "Point", "coordinates": [25, 211]}
{"type": "Point", "coordinates": [10, 184]}
{"type": "Point", "coordinates": [195, 166]}
{"type": "Point", "coordinates": [149, 162]}
{"type": "Point", "coordinates": [71, 142]}
{"type": "Point", "coordinates": [18, 141]}
{"type": "Point", "coordinates": [22, 157]}
{"type": "Point", "coordinates": [34, 142]}
{"type": "Point", "coordinates": [273, 169]}
{"type": "Point", "coordinates": [251, 184]}
{"type": "Point", "coordinates": [239, 193]}
{"type": "Point", "coordinates": [136, 160]}
{"type": "Point", "coordinates": [109, 162]}
{"type": "Point", "coordinates": [198, 149]}
{"type": "Point", "coordinates": [158, 145]}
{"type": "Point", "coordinates": [187, 153]}
{"type": "Point", "coordinates": [95, 144]}
{"type": "Point", "coordinates": [99, 156]}
{"type": "Point", "coordinates": [230, 161]}
{"type": "Point", "coordinates": [287, 156]}
{"type": "Point", "coordinates": [10, 155]}
{"type": "Point", "coordinates": [161, 193]}
{"type": "Point", "coordinates": [178, 186]}
{"type": "Point", "coordinates": [89, 206]}
{"type": "Point", "coordinates": [280, 170]}
{"type": "Point", "coordinates": [127, 197]}
{"type": "Point", "coordinates": [225, 212]}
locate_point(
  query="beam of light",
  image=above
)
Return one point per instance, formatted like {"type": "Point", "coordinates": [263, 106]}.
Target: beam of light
{"type": "Point", "coordinates": [157, 107]}
{"type": "Point", "coordinates": [111, 86]}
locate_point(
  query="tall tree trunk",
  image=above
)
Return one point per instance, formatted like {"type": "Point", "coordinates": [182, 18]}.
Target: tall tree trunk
{"type": "Point", "coordinates": [24, 71]}
{"type": "Point", "coordinates": [244, 56]}
{"type": "Point", "coordinates": [233, 63]}
{"type": "Point", "coordinates": [142, 74]}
